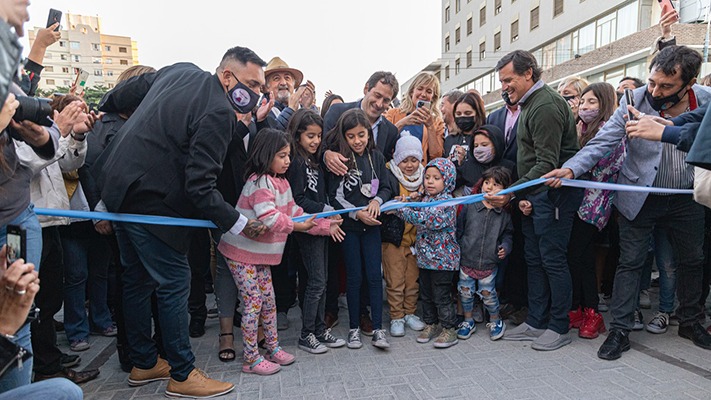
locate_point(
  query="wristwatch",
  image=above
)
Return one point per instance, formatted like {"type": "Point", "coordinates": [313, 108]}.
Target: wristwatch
{"type": "Point", "coordinates": [78, 136]}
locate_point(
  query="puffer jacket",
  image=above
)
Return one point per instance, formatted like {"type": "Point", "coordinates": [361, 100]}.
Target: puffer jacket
{"type": "Point", "coordinates": [47, 188]}
{"type": "Point", "coordinates": [436, 243]}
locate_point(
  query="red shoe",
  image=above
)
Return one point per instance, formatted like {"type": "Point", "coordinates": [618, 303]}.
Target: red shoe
{"type": "Point", "coordinates": [593, 325]}
{"type": "Point", "coordinates": [576, 318]}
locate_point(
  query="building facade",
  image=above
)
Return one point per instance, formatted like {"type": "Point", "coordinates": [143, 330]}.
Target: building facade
{"type": "Point", "coordinates": [600, 40]}
{"type": "Point", "coordinates": [83, 45]}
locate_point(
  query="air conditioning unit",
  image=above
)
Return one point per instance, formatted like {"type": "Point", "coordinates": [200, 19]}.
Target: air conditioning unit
{"type": "Point", "coordinates": [692, 11]}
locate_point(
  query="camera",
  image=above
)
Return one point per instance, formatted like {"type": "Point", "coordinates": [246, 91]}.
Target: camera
{"type": "Point", "coordinates": [34, 109]}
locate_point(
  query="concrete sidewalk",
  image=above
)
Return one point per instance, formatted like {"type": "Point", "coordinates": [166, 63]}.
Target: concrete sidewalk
{"type": "Point", "coordinates": [658, 367]}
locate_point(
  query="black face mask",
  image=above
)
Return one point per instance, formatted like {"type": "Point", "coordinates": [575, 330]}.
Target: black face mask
{"type": "Point", "coordinates": [664, 103]}
{"type": "Point", "coordinates": [465, 124]}
{"type": "Point", "coordinates": [242, 98]}
{"type": "Point", "coordinates": [507, 100]}
{"type": "Point", "coordinates": [568, 98]}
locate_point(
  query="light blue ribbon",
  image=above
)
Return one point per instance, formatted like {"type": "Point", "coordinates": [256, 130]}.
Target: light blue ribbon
{"type": "Point", "coordinates": [388, 206]}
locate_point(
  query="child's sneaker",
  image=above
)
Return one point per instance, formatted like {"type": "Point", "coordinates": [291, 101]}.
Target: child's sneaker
{"type": "Point", "coordinates": [466, 329]}
{"type": "Point", "coordinates": [496, 329]}
{"type": "Point", "coordinates": [447, 338]}
{"type": "Point", "coordinates": [397, 327]}
{"type": "Point", "coordinates": [328, 340]}
{"type": "Point", "coordinates": [354, 339]}
{"type": "Point", "coordinates": [279, 356]}
{"type": "Point", "coordinates": [379, 339]}
{"type": "Point", "coordinates": [312, 345]}
{"type": "Point", "coordinates": [430, 332]}
{"type": "Point", "coordinates": [414, 322]}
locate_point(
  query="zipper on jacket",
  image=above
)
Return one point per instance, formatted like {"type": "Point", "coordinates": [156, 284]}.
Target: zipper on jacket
{"type": "Point", "coordinates": [20, 353]}
{"type": "Point", "coordinates": [483, 232]}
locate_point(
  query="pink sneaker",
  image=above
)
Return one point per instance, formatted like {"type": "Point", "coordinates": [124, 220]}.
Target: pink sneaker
{"type": "Point", "coordinates": [261, 367]}
{"type": "Point", "coordinates": [280, 357]}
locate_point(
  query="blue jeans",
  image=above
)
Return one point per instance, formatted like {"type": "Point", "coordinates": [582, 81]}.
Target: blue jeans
{"type": "Point", "coordinates": [469, 286]}
{"type": "Point", "coordinates": [152, 265]}
{"type": "Point", "coordinates": [664, 255]}
{"type": "Point", "coordinates": [683, 221]}
{"type": "Point", "coordinates": [27, 221]}
{"type": "Point", "coordinates": [547, 232]}
{"type": "Point", "coordinates": [309, 255]}
{"type": "Point", "coordinates": [362, 253]}
{"type": "Point", "coordinates": [55, 389]}
{"type": "Point", "coordinates": [86, 258]}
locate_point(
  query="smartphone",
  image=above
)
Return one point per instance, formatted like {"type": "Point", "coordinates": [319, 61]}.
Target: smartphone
{"type": "Point", "coordinates": [629, 99]}
{"type": "Point", "coordinates": [82, 76]}
{"type": "Point", "coordinates": [422, 103]}
{"type": "Point", "coordinates": [16, 244]}
{"type": "Point", "coordinates": [667, 6]}
{"type": "Point", "coordinates": [55, 16]}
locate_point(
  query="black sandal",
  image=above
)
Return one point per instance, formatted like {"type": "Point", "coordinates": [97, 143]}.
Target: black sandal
{"type": "Point", "coordinates": [227, 355]}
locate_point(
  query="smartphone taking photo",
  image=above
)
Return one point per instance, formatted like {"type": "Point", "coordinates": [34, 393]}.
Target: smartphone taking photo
{"type": "Point", "coordinates": [667, 6]}
{"type": "Point", "coordinates": [629, 99]}
{"type": "Point", "coordinates": [55, 17]}
{"type": "Point", "coordinates": [16, 244]}
{"type": "Point", "coordinates": [422, 103]}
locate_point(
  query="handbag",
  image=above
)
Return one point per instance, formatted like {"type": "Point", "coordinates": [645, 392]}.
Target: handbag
{"type": "Point", "coordinates": [11, 355]}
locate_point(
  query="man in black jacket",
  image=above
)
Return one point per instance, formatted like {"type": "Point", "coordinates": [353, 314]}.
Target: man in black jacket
{"type": "Point", "coordinates": [165, 161]}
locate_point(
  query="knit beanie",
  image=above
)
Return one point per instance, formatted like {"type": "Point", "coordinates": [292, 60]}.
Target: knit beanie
{"type": "Point", "coordinates": [407, 146]}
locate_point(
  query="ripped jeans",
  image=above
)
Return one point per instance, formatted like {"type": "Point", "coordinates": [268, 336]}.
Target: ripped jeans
{"type": "Point", "coordinates": [467, 288]}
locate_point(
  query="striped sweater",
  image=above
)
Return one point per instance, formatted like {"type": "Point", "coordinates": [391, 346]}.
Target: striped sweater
{"type": "Point", "coordinates": [268, 199]}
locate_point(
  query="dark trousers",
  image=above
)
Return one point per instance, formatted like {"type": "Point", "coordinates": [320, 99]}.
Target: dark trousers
{"type": "Point", "coordinates": [515, 290]}
{"type": "Point", "coordinates": [199, 260]}
{"type": "Point", "coordinates": [581, 259]}
{"type": "Point", "coordinates": [284, 281]}
{"type": "Point", "coordinates": [151, 265]}
{"type": "Point", "coordinates": [362, 253]}
{"type": "Point", "coordinates": [436, 295]}
{"type": "Point", "coordinates": [707, 258]}
{"type": "Point", "coordinates": [547, 231]}
{"type": "Point", "coordinates": [333, 281]}
{"type": "Point", "coordinates": [309, 255]}
{"type": "Point", "coordinates": [683, 220]}
{"type": "Point", "coordinates": [49, 300]}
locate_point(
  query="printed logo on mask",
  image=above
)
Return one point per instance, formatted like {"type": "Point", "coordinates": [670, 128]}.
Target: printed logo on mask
{"type": "Point", "coordinates": [241, 97]}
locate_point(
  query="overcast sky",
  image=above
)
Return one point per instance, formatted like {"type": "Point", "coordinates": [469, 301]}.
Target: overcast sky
{"type": "Point", "coordinates": [336, 44]}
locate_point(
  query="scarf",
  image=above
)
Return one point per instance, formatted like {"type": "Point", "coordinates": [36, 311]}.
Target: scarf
{"type": "Point", "coordinates": [413, 182]}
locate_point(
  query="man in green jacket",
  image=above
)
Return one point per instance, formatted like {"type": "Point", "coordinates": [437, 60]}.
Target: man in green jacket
{"type": "Point", "coordinates": [546, 138]}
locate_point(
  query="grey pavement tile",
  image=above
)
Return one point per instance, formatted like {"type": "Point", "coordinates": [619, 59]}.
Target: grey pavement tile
{"type": "Point", "coordinates": [368, 392]}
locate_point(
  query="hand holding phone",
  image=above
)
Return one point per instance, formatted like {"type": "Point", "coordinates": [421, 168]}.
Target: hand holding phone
{"type": "Point", "coordinates": [55, 17]}
{"type": "Point", "coordinates": [422, 103]}
{"type": "Point", "coordinates": [16, 244]}
{"type": "Point", "coordinates": [629, 99]}
{"type": "Point", "coordinates": [667, 6]}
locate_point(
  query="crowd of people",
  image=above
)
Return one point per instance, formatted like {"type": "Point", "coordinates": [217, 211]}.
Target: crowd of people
{"type": "Point", "coordinates": [247, 148]}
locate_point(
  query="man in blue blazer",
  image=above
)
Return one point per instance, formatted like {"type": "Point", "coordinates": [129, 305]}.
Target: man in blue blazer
{"type": "Point", "coordinates": [379, 91]}
{"type": "Point", "coordinates": [499, 119]}
{"type": "Point", "coordinates": [671, 91]}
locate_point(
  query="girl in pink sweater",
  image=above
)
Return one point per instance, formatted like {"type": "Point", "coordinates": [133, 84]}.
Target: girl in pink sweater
{"type": "Point", "coordinates": [266, 196]}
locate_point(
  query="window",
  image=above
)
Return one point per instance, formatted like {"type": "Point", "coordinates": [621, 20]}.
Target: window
{"type": "Point", "coordinates": [83, 30]}
{"type": "Point", "coordinates": [96, 60]}
{"type": "Point", "coordinates": [63, 57]}
{"type": "Point", "coordinates": [497, 41]}
{"type": "Point", "coordinates": [586, 39]}
{"type": "Point", "coordinates": [49, 68]}
{"type": "Point", "coordinates": [446, 14]}
{"type": "Point", "coordinates": [514, 31]}
{"type": "Point", "coordinates": [497, 7]}
{"type": "Point", "coordinates": [482, 16]}
{"type": "Point", "coordinates": [457, 6]}
{"type": "Point", "coordinates": [564, 49]}
{"type": "Point", "coordinates": [109, 73]}
{"type": "Point", "coordinates": [107, 48]}
{"type": "Point", "coordinates": [124, 62]}
{"type": "Point", "coordinates": [96, 46]}
{"type": "Point", "coordinates": [456, 67]}
{"type": "Point", "coordinates": [76, 58]}
{"type": "Point", "coordinates": [456, 36]}
{"type": "Point", "coordinates": [606, 30]}
{"type": "Point", "coordinates": [469, 26]}
{"type": "Point", "coordinates": [62, 43]}
{"type": "Point", "coordinates": [50, 81]}
{"type": "Point", "coordinates": [446, 73]}
{"type": "Point", "coordinates": [110, 85]}
{"type": "Point", "coordinates": [557, 8]}
{"type": "Point", "coordinates": [469, 58]}
{"type": "Point", "coordinates": [534, 18]}
{"type": "Point", "coordinates": [65, 70]}
{"type": "Point", "coordinates": [74, 45]}
{"type": "Point", "coordinates": [98, 72]}
{"type": "Point", "coordinates": [122, 50]}
{"type": "Point", "coordinates": [108, 61]}
{"type": "Point", "coordinates": [446, 44]}
{"type": "Point", "coordinates": [628, 21]}
{"type": "Point", "coordinates": [482, 51]}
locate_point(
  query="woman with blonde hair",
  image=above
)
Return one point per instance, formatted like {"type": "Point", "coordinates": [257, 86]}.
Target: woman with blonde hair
{"type": "Point", "coordinates": [419, 114]}
{"type": "Point", "coordinates": [571, 89]}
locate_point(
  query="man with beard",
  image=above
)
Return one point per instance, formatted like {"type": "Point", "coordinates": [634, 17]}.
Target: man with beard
{"type": "Point", "coordinates": [280, 82]}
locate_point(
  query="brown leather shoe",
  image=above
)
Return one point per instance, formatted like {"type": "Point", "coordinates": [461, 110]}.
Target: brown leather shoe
{"type": "Point", "coordinates": [159, 372]}
{"type": "Point", "coordinates": [198, 385]}
{"type": "Point", "coordinates": [366, 325]}
{"type": "Point", "coordinates": [77, 377]}
{"type": "Point", "coordinates": [330, 320]}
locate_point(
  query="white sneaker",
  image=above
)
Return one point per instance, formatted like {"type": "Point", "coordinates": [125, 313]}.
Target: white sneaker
{"type": "Point", "coordinates": [354, 339]}
{"type": "Point", "coordinates": [380, 340]}
{"type": "Point", "coordinates": [414, 322]}
{"type": "Point", "coordinates": [397, 327]}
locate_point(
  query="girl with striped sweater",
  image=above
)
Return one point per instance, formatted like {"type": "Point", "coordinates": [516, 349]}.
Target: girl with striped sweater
{"type": "Point", "coordinates": [266, 196]}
